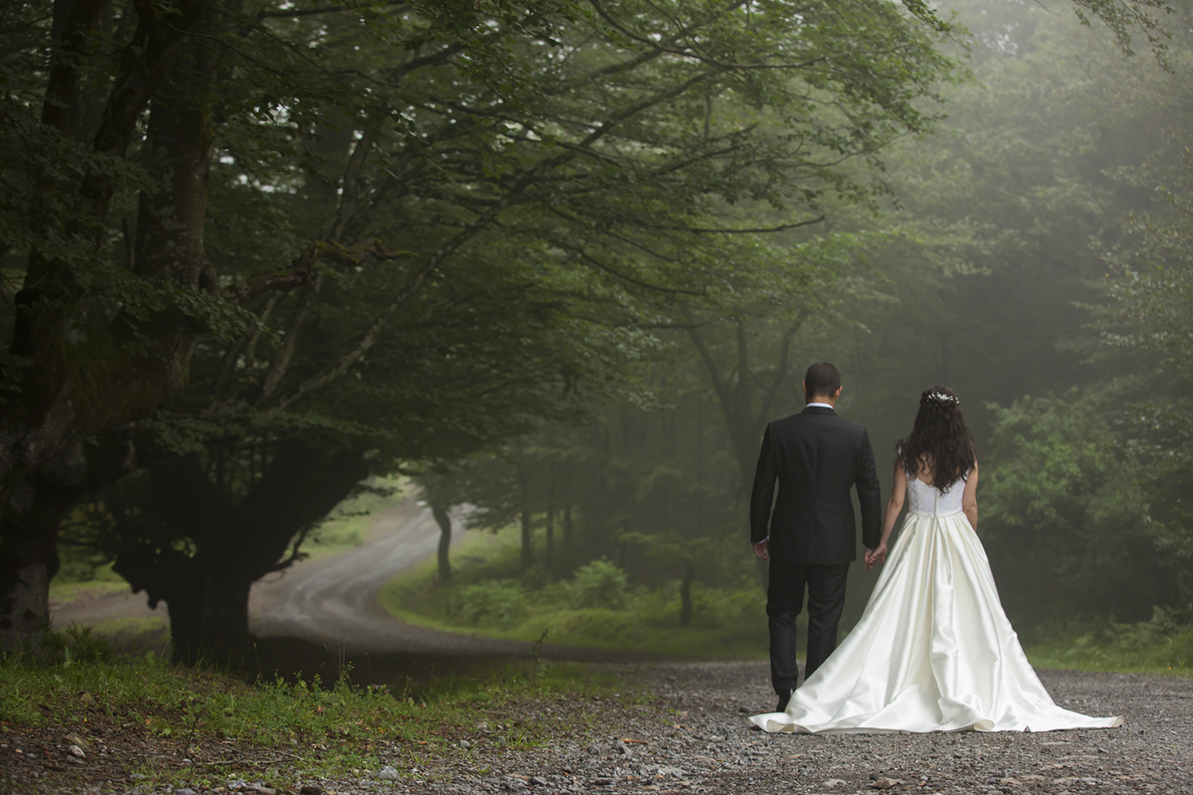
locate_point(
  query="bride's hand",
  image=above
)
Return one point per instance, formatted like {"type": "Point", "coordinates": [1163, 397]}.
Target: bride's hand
{"type": "Point", "coordinates": [875, 556]}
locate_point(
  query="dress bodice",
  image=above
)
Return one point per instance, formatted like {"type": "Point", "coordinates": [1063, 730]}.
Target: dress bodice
{"type": "Point", "coordinates": [926, 500]}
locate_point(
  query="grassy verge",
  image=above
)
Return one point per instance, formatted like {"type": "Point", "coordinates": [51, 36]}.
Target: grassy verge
{"type": "Point", "coordinates": [488, 595]}
{"type": "Point", "coordinates": [75, 583]}
{"type": "Point", "coordinates": [191, 718]}
{"type": "Point", "coordinates": [1162, 645]}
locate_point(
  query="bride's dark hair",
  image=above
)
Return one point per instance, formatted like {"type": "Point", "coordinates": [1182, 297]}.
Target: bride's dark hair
{"type": "Point", "coordinates": [941, 437]}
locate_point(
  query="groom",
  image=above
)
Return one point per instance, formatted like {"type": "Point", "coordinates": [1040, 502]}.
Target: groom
{"type": "Point", "coordinates": [816, 457]}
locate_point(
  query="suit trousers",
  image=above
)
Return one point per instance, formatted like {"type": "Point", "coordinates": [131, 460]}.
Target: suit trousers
{"type": "Point", "coordinates": [784, 601]}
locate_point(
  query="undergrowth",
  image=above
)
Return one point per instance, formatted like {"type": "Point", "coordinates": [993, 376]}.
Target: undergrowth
{"type": "Point", "coordinates": [595, 605]}
{"type": "Point", "coordinates": [1162, 645]}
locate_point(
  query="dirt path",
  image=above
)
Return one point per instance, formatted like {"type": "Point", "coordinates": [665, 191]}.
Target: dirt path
{"type": "Point", "coordinates": [332, 601]}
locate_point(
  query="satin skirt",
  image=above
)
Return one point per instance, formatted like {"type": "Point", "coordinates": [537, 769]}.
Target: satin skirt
{"type": "Point", "coordinates": [933, 651]}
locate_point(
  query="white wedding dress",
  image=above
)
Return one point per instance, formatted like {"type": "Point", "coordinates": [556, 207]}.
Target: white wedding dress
{"type": "Point", "coordinates": [934, 650]}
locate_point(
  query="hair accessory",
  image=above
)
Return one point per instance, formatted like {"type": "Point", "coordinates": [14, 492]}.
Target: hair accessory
{"type": "Point", "coordinates": [940, 397]}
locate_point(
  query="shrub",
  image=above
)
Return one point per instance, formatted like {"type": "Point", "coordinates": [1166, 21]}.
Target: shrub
{"type": "Point", "coordinates": [498, 602]}
{"type": "Point", "coordinates": [598, 584]}
{"type": "Point", "coordinates": [78, 643]}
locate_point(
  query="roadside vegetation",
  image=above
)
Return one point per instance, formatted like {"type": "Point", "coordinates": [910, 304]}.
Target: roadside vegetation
{"type": "Point", "coordinates": [1163, 645]}
{"type": "Point", "coordinates": [594, 605]}
{"type": "Point", "coordinates": [286, 731]}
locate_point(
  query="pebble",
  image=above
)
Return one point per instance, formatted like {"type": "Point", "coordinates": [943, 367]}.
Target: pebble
{"type": "Point", "coordinates": [388, 773]}
{"type": "Point", "coordinates": [76, 739]}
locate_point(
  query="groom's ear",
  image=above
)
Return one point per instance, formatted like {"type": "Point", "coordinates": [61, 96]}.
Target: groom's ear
{"type": "Point", "coordinates": [804, 386]}
{"type": "Point", "coordinates": [837, 394]}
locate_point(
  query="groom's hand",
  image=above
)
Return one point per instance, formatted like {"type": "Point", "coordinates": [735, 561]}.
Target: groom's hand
{"type": "Point", "coordinates": [762, 549]}
{"type": "Point", "coordinates": [875, 556]}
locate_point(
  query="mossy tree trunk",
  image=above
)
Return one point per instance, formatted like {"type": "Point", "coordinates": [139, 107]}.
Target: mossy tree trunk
{"type": "Point", "coordinates": [443, 518]}
{"type": "Point", "coordinates": [92, 367]}
{"type": "Point", "coordinates": [527, 526]}
{"type": "Point", "coordinates": [184, 541]}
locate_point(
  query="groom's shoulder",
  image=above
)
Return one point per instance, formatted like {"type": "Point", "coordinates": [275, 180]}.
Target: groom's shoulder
{"type": "Point", "coordinates": [815, 417]}
{"type": "Point", "coordinates": [853, 428]}
{"type": "Point", "coordinates": [833, 420]}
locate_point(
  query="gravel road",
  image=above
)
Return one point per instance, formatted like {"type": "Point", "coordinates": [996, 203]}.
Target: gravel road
{"type": "Point", "coordinates": [690, 734]}
{"type": "Point", "coordinates": [682, 728]}
{"type": "Point", "coordinates": [333, 601]}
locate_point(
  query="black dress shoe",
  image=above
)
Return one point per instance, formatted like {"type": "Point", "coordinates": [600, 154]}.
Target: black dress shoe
{"type": "Point", "coordinates": [783, 699]}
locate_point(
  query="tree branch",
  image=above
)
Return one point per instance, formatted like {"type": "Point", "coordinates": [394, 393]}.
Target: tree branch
{"type": "Point", "coordinates": [772, 393]}
{"type": "Point", "coordinates": [301, 271]}
{"type": "Point", "coordinates": [307, 12]}
{"type": "Point", "coordinates": [246, 342]}
{"type": "Point", "coordinates": [584, 255]}
{"type": "Point", "coordinates": [694, 54]}
{"type": "Point", "coordinates": [367, 341]}
{"type": "Point", "coordinates": [710, 364]}
{"type": "Point", "coordinates": [755, 230]}
{"type": "Point", "coordinates": [277, 370]}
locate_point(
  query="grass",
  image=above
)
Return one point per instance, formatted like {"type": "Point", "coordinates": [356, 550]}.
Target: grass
{"type": "Point", "coordinates": [489, 596]}
{"type": "Point", "coordinates": [317, 729]}
{"type": "Point", "coordinates": [63, 592]}
{"type": "Point", "coordinates": [732, 625]}
{"type": "Point", "coordinates": [1163, 645]}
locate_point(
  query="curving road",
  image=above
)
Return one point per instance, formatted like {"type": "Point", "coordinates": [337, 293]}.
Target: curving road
{"type": "Point", "coordinates": [332, 601]}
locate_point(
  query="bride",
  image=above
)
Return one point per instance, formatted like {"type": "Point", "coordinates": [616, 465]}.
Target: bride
{"type": "Point", "coordinates": [933, 650]}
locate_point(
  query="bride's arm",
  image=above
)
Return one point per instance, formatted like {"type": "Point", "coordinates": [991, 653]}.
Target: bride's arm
{"type": "Point", "coordinates": [895, 503]}
{"type": "Point", "coordinates": [969, 500]}
{"type": "Point", "coordinates": [893, 506]}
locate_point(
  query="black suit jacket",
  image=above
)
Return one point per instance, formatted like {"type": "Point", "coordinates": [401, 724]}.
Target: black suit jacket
{"type": "Point", "coordinates": [816, 457]}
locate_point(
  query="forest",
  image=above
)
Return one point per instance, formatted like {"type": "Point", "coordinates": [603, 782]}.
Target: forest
{"type": "Point", "coordinates": [556, 264]}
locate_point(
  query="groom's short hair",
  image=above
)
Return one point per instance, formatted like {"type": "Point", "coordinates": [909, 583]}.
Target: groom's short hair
{"type": "Point", "coordinates": [822, 379]}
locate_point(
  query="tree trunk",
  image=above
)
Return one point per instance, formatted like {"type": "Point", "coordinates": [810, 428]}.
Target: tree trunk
{"type": "Point", "coordinates": [224, 635]}
{"type": "Point", "coordinates": [527, 537]}
{"type": "Point", "coordinates": [76, 385]}
{"type": "Point", "coordinates": [550, 537]}
{"type": "Point", "coordinates": [209, 616]}
{"type": "Point", "coordinates": [186, 628]}
{"type": "Point", "coordinates": [29, 561]}
{"type": "Point", "coordinates": [568, 533]}
{"type": "Point", "coordinates": [236, 541]}
{"type": "Point", "coordinates": [444, 520]}
{"type": "Point", "coordinates": [685, 594]}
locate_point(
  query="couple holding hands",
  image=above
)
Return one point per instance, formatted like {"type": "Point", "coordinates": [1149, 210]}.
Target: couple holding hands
{"type": "Point", "coordinates": [933, 650]}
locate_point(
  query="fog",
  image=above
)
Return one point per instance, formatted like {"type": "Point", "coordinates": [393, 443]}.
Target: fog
{"type": "Point", "coordinates": [558, 299]}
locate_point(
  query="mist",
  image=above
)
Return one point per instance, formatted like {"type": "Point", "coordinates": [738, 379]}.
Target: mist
{"type": "Point", "coordinates": [539, 292]}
